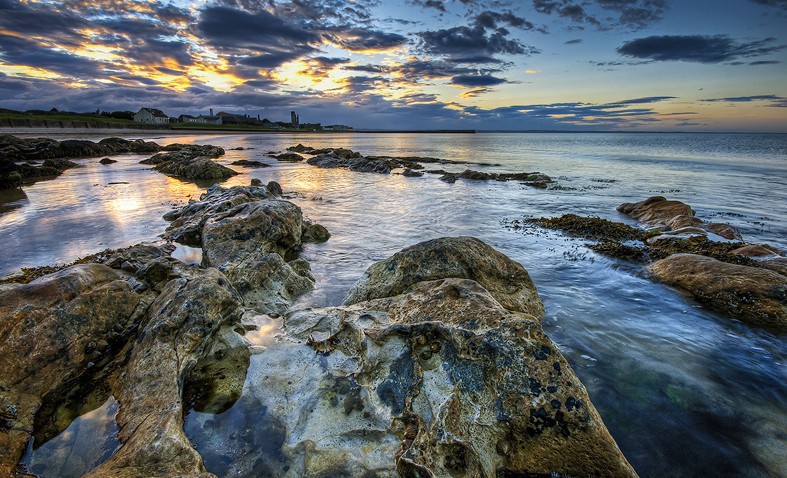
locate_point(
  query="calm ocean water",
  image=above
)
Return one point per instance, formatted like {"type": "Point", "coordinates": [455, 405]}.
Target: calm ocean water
{"type": "Point", "coordinates": [684, 390]}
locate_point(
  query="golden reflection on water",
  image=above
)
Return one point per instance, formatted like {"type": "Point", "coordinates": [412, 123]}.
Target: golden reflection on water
{"type": "Point", "coordinates": [268, 328]}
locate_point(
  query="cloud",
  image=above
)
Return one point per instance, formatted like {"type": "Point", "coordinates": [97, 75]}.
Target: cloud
{"type": "Point", "coordinates": [696, 48]}
{"type": "Point", "coordinates": [573, 42]}
{"type": "Point", "coordinates": [648, 99]}
{"type": "Point", "coordinates": [464, 42]}
{"type": "Point", "coordinates": [361, 39]}
{"type": "Point", "coordinates": [773, 3]}
{"type": "Point", "coordinates": [776, 101]}
{"type": "Point", "coordinates": [636, 14]}
{"type": "Point", "coordinates": [475, 81]}
{"type": "Point", "coordinates": [436, 4]}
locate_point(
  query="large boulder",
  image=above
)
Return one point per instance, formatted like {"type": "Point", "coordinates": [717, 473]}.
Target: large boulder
{"type": "Point", "coordinates": [451, 257]}
{"type": "Point", "coordinates": [770, 257]}
{"type": "Point", "coordinates": [182, 325]}
{"type": "Point", "coordinates": [190, 161]}
{"type": "Point", "coordinates": [53, 331]}
{"type": "Point", "coordinates": [441, 380]}
{"type": "Point", "coordinates": [753, 295]}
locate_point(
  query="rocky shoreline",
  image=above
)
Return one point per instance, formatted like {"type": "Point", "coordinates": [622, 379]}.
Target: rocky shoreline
{"type": "Point", "coordinates": [19, 158]}
{"type": "Point", "coordinates": [436, 359]}
{"type": "Point", "coordinates": [745, 281]}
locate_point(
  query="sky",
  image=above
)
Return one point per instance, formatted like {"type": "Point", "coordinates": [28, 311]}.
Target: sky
{"type": "Point", "coordinates": [569, 65]}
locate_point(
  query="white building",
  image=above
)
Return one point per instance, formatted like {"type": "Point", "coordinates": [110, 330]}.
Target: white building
{"type": "Point", "coordinates": [151, 116]}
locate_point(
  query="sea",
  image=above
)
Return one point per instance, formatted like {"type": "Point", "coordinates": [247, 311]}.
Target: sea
{"type": "Point", "coordinates": [685, 390]}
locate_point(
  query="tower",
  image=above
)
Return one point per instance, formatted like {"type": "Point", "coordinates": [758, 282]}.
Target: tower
{"type": "Point", "coordinates": [294, 119]}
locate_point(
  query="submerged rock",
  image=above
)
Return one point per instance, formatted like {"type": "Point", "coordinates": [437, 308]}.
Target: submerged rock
{"type": "Point", "coordinates": [250, 164]}
{"type": "Point", "coordinates": [353, 163]}
{"type": "Point", "coordinates": [753, 295]}
{"type": "Point", "coordinates": [458, 257]}
{"type": "Point", "coordinates": [289, 157]}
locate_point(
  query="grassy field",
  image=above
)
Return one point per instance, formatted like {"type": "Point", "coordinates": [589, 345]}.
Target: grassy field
{"type": "Point", "coordinates": [88, 119]}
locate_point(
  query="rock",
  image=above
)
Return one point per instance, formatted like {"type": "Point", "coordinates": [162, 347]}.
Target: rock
{"type": "Point", "coordinates": [250, 164]}
{"type": "Point", "coordinates": [300, 148]}
{"type": "Point", "coordinates": [753, 295]}
{"type": "Point", "coordinates": [107, 161]}
{"type": "Point", "coordinates": [274, 188]}
{"type": "Point", "coordinates": [256, 182]}
{"type": "Point", "coordinates": [769, 257]}
{"type": "Point", "coordinates": [724, 230]}
{"type": "Point", "coordinates": [183, 322]}
{"type": "Point", "coordinates": [314, 232]}
{"type": "Point", "coordinates": [681, 221]}
{"type": "Point", "coordinates": [439, 381]}
{"type": "Point", "coordinates": [412, 174]}
{"type": "Point", "coordinates": [656, 209]}
{"type": "Point", "coordinates": [197, 169]}
{"type": "Point", "coordinates": [449, 178]}
{"type": "Point", "coordinates": [289, 157]}
{"type": "Point", "coordinates": [476, 175]}
{"type": "Point", "coordinates": [186, 228]}
{"type": "Point", "coordinates": [451, 257]}
{"type": "Point", "coordinates": [248, 243]}
{"type": "Point", "coordinates": [46, 333]}
{"type": "Point", "coordinates": [350, 161]}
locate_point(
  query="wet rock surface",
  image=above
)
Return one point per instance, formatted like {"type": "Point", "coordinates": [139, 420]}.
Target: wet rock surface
{"type": "Point", "coordinates": [755, 296]}
{"type": "Point", "coordinates": [53, 330]}
{"type": "Point", "coordinates": [438, 380]}
{"type": "Point", "coordinates": [253, 237]}
{"type": "Point", "coordinates": [250, 164]}
{"type": "Point", "coordinates": [657, 212]}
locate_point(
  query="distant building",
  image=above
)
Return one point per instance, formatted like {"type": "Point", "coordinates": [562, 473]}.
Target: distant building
{"type": "Point", "coordinates": [337, 127]}
{"type": "Point", "coordinates": [151, 116]}
{"type": "Point", "coordinates": [311, 126]}
{"type": "Point", "coordinates": [188, 119]}
{"type": "Point", "coordinates": [210, 119]}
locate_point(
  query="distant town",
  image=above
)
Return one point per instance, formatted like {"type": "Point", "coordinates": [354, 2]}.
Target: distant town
{"type": "Point", "coordinates": [156, 116]}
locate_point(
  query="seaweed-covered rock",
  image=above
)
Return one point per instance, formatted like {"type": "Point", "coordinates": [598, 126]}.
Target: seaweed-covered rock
{"type": "Point", "coordinates": [349, 161]}
{"type": "Point", "coordinates": [441, 380]}
{"type": "Point", "coordinates": [52, 331]}
{"type": "Point", "coordinates": [753, 295]}
{"type": "Point", "coordinates": [451, 257]}
{"type": "Point", "coordinates": [190, 161]}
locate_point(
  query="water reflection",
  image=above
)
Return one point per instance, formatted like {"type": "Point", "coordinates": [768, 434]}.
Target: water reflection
{"type": "Point", "coordinates": [11, 199]}
{"type": "Point", "coordinates": [88, 442]}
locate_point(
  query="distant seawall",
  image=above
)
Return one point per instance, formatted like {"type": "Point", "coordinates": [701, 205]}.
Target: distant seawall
{"type": "Point", "coordinates": [58, 124]}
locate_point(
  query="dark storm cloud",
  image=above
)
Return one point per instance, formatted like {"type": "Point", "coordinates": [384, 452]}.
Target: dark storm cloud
{"type": "Point", "coordinates": [773, 3]}
{"type": "Point", "coordinates": [490, 19]}
{"type": "Point", "coordinates": [475, 81]}
{"type": "Point", "coordinates": [635, 14]}
{"type": "Point", "coordinates": [696, 48]}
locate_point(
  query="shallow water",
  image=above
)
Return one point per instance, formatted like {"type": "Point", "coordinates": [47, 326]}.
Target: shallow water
{"type": "Point", "coordinates": [684, 390]}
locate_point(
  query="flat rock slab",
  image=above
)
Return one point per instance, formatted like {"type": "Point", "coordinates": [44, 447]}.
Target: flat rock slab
{"type": "Point", "coordinates": [753, 295]}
